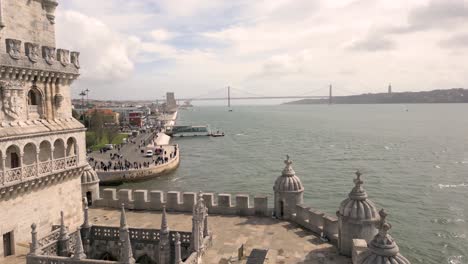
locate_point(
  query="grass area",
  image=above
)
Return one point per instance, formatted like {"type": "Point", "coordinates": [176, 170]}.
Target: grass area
{"type": "Point", "coordinates": [98, 144]}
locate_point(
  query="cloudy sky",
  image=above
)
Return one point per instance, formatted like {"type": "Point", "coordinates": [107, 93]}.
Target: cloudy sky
{"type": "Point", "coordinates": [139, 49]}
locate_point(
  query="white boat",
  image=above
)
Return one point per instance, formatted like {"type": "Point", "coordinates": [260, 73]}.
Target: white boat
{"type": "Point", "coordinates": [189, 131]}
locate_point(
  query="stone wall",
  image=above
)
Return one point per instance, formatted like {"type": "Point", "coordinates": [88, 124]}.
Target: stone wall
{"type": "Point", "coordinates": [317, 222]}
{"type": "Point", "coordinates": [219, 204]}
{"type": "Point", "coordinates": [222, 204]}
{"type": "Point", "coordinates": [27, 20]}
{"type": "Point", "coordinates": [41, 206]}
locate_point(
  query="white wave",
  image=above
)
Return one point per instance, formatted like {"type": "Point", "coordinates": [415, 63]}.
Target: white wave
{"type": "Point", "coordinates": [437, 166]}
{"type": "Point", "coordinates": [442, 186]}
{"type": "Point", "coordinates": [387, 147]}
{"type": "Point", "coordinates": [455, 260]}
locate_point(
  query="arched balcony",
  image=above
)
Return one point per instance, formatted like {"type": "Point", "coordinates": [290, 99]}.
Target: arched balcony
{"type": "Point", "coordinates": [34, 104]}
{"type": "Point", "coordinates": [20, 163]}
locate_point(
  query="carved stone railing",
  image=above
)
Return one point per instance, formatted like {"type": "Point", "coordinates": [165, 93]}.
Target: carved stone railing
{"type": "Point", "coordinates": [63, 260]}
{"type": "Point", "coordinates": [16, 175]}
{"type": "Point", "coordinates": [45, 167]}
{"type": "Point", "coordinates": [51, 237]}
{"type": "Point", "coordinates": [30, 171]}
{"type": "Point", "coordinates": [13, 175]}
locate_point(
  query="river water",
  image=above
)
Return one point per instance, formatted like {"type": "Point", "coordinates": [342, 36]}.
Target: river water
{"type": "Point", "coordinates": [414, 160]}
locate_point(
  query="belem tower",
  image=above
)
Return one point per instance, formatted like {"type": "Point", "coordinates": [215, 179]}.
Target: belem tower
{"type": "Point", "coordinates": [51, 211]}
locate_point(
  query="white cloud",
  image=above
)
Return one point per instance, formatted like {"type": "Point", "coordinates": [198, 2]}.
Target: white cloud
{"type": "Point", "coordinates": [153, 46]}
{"type": "Point", "coordinates": [105, 54]}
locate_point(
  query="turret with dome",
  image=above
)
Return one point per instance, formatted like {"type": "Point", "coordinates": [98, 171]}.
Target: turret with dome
{"type": "Point", "coordinates": [357, 217]}
{"type": "Point", "coordinates": [288, 191]}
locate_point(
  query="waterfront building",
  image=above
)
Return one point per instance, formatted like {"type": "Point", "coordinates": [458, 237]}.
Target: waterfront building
{"type": "Point", "coordinates": [171, 103]}
{"type": "Point", "coordinates": [42, 147]}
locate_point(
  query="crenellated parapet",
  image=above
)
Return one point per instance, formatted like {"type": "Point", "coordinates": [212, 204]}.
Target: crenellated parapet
{"type": "Point", "coordinates": [222, 204]}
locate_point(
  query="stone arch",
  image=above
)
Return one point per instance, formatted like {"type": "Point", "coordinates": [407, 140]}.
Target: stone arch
{"type": "Point", "coordinates": [13, 157]}
{"type": "Point", "coordinates": [45, 151]}
{"type": "Point", "coordinates": [145, 259]}
{"type": "Point", "coordinates": [59, 148]}
{"type": "Point", "coordinates": [72, 147]}
{"type": "Point", "coordinates": [35, 102]}
{"type": "Point", "coordinates": [107, 256]}
{"type": "Point", "coordinates": [29, 154]}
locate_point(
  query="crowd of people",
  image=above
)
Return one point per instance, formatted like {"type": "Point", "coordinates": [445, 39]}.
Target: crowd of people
{"type": "Point", "coordinates": [117, 161]}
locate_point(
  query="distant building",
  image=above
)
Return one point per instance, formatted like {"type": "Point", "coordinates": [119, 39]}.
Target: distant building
{"type": "Point", "coordinates": [171, 104]}
{"type": "Point", "coordinates": [110, 117]}
{"type": "Point", "coordinates": [136, 118]}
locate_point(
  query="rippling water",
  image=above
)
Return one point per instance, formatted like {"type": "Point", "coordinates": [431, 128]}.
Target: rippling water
{"type": "Point", "coordinates": [415, 163]}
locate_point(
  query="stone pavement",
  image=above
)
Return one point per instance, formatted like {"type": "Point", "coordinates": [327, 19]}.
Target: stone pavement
{"type": "Point", "coordinates": [287, 243]}
{"type": "Point", "coordinates": [130, 151]}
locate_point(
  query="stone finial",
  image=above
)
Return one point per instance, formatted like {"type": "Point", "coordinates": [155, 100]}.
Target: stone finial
{"type": "Point", "coordinates": [63, 229]}
{"type": "Point", "coordinates": [79, 252]}
{"type": "Point", "coordinates": [358, 193]}
{"type": "Point", "coordinates": [85, 214]}
{"type": "Point", "coordinates": [288, 170]}
{"type": "Point", "coordinates": [164, 226]}
{"type": "Point", "coordinates": [34, 243]}
{"type": "Point", "coordinates": [123, 218]}
{"type": "Point", "coordinates": [383, 244]}
{"type": "Point", "coordinates": [126, 254]}
{"type": "Point", "coordinates": [178, 255]}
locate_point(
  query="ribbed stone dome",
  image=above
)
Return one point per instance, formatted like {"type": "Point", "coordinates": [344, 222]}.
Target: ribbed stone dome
{"type": "Point", "coordinates": [89, 175]}
{"type": "Point", "coordinates": [357, 206]}
{"type": "Point", "coordinates": [288, 181]}
{"type": "Point", "coordinates": [383, 249]}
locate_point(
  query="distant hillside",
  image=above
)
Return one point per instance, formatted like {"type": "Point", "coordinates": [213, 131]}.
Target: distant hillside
{"type": "Point", "coordinates": [457, 95]}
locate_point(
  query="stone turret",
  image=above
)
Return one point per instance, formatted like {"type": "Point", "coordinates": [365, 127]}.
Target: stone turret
{"type": "Point", "coordinates": [89, 184]}
{"type": "Point", "coordinates": [383, 249]}
{"type": "Point", "coordinates": [164, 240]}
{"type": "Point", "coordinates": [357, 218]}
{"type": "Point", "coordinates": [288, 192]}
{"type": "Point", "coordinates": [126, 254]}
{"type": "Point", "coordinates": [199, 224]}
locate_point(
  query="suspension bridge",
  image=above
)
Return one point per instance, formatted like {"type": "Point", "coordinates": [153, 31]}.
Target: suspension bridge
{"type": "Point", "coordinates": [230, 93]}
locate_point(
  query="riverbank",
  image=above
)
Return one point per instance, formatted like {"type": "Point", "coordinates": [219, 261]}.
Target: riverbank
{"type": "Point", "coordinates": [418, 156]}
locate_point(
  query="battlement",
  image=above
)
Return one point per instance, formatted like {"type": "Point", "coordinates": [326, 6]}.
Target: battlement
{"type": "Point", "coordinates": [218, 204]}
{"type": "Point", "coordinates": [222, 204]}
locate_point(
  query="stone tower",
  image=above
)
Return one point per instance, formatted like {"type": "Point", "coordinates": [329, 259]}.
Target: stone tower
{"type": "Point", "coordinates": [288, 192]}
{"type": "Point", "coordinates": [42, 147]}
{"type": "Point", "coordinates": [383, 249]}
{"type": "Point", "coordinates": [357, 218]}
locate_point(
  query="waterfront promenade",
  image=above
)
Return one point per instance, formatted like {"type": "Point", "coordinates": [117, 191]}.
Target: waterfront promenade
{"type": "Point", "coordinates": [129, 161]}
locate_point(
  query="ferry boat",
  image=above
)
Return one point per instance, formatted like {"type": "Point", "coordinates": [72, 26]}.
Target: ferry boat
{"type": "Point", "coordinates": [189, 131]}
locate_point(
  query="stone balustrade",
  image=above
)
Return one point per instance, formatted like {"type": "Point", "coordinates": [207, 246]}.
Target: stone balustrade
{"type": "Point", "coordinates": [13, 176]}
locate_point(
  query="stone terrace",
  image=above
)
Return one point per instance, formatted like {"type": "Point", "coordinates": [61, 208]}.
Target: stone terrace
{"type": "Point", "coordinates": [287, 243]}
